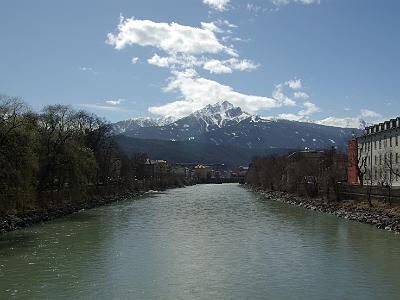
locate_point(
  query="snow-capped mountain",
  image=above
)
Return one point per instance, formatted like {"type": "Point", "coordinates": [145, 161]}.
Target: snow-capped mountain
{"type": "Point", "coordinates": [135, 123]}
{"type": "Point", "coordinates": [225, 124]}
{"type": "Point", "coordinates": [218, 115]}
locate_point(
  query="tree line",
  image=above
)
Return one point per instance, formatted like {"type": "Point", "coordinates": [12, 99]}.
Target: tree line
{"type": "Point", "coordinates": [58, 148]}
{"type": "Point", "coordinates": [312, 174]}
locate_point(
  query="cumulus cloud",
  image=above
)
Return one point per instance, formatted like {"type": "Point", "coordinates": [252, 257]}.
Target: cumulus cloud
{"type": "Point", "coordinates": [301, 95]}
{"type": "Point", "coordinates": [303, 115]}
{"type": "Point", "coordinates": [163, 62]}
{"type": "Point", "coordinates": [227, 66]}
{"type": "Point", "coordinates": [183, 46]}
{"type": "Point", "coordinates": [217, 66]}
{"type": "Point", "coordinates": [211, 27]}
{"type": "Point", "coordinates": [279, 95]}
{"type": "Point", "coordinates": [196, 92]}
{"type": "Point", "coordinates": [176, 61]}
{"type": "Point", "coordinates": [309, 109]}
{"type": "Point", "coordinates": [294, 84]}
{"type": "Point", "coordinates": [135, 60]}
{"type": "Point", "coordinates": [172, 38]}
{"type": "Point", "coordinates": [219, 5]}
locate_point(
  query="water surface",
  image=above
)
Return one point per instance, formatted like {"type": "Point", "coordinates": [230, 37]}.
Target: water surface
{"type": "Point", "coordinates": [200, 242]}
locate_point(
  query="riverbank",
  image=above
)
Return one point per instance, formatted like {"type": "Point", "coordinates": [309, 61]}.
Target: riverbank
{"type": "Point", "coordinates": [379, 215]}
{"type": "Point", "coordinates": [14, 221]}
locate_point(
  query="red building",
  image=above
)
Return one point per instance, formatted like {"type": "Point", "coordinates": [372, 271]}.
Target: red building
{"type": "Point", "coordinates": [352, 172]}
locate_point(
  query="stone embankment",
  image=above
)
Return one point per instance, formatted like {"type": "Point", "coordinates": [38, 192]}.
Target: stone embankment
{"type": "Point", "coordinates": [15, 221]}
{"type": "Point", "coordinates": [380, 217]}
{"type": "Point", "coordinates": [12, 222]}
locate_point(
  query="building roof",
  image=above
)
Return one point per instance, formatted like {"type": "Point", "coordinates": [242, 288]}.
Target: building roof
{"type": "Point", "coordinates": [384, 126]}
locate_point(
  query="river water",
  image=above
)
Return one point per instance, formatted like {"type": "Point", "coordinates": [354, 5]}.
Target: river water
{"type": "Point", "coordinates": [200, 242]}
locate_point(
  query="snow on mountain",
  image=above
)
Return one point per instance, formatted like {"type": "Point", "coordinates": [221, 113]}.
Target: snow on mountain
{"type": "Point", "coordinates": [224, 124]}
{"type": "Point", "coordinates": [219, 115]}
{"type": "Point", "coordinates": [135, 123]}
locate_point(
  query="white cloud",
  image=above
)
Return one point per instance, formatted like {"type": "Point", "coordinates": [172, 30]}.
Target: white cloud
{"type": "Point", "coordinates": [135, 60]}
{"type": "Point", "coordinates": [227, 66]}
{"type": "Point", "coordinates": [291, 117]}
{"type": "Point", "coordinates": [301, 95]}
{"type": "Point", "coordinates": [211, 27]}
{"type": "Point", "coordinates": [303, 115]}
{"type": "Point", "coordinates": [115, 102]}
{"type": "Point", "coordinates": [279, 95]}
{"type": "Point", "coordinates": [197, 92]}
{"type": "Point", "coordinates": [309, 109]}
{"type": "Point", "coordinates": [176, 61]}
{"type": "Point", "coordinates": [294, 84]}
{"type": "Point", "coordinates": [99, 106]}
{"type": "Point", "coordinates": [212, 65]}
{"type": "Point", "coordinates": [366, 113]}
{"type": "Point", "coordinates": [163, 62]}
{"type": "Point", "coordinates": [227, 23]}
{"type": "Point", "coordinates": [173, 38]}
{"type": "Point", "coordinates": [286, 2]}
{"type": "Point", "coordinates": [242, 65]}
{"type": "Point", "coordinates": [217, 66]}
{"type": "Point", "coordinates": [88, 69]}
{"type": "Point", "coordinates": [342, 122]}
{"type": "Point", "coordinates": [219, 5]}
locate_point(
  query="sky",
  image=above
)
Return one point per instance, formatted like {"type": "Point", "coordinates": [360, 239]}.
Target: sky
{"type": "Point", "coordinates": [332, 62]}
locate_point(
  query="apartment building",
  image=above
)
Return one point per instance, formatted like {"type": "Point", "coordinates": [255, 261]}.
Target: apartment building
{"type": "Point", "coordinates": [378, 154]}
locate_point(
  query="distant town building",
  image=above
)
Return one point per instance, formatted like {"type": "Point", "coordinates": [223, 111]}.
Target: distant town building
{"type": "Point", "coordinates": [155, 168]}
{"type": "Point", "coordinates": [180, 171]}
{"type": "Point", "coordinates": [202, 172]}
{"type": "Point", "coordinates": [375, 156]}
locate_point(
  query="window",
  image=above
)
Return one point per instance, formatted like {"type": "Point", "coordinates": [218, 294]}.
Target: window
{"type": "Point", "coordinates": [380, 143]}
{"type": "Point", "coordinates": [376, 174]}
{"type": "Point", "coordinates": [380, 159]}
{"type": "Point", "coordinates": [390, 141]}
{"type": "Point", "coordinates": [397, 140]}
{"type": "Point", "coordinates": [375, 145]}
{"type": "Point", "coordinates": [376, 160]}
{"type": "Point", "coordinates": [397, 158]}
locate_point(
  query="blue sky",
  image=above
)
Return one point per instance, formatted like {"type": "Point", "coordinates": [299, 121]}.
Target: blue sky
{"type": "Point", "coordinates": [328, 61]}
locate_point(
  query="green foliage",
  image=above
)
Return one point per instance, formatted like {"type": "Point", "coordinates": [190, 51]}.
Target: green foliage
{"type": "Point", "coordinates": [59, 148]}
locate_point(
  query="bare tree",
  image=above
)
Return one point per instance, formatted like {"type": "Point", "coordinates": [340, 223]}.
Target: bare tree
{"type": "Point", "coordinates": [390, 171]}
{"type": "Point", "coordinates": [362, 158]}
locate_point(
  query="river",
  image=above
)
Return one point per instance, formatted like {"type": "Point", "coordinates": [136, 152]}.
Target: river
{"type": "Point", "coordinates": [200, 242]}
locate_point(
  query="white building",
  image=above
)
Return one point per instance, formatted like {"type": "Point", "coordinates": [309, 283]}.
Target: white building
{"type": "Point", "coordinates": [379, 153]}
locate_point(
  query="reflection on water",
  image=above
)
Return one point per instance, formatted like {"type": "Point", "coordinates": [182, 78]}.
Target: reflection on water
{"type": "Point", "coordinates": [202, 242]}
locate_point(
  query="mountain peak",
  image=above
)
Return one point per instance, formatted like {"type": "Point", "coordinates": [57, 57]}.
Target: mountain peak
{"type": "Point", "coordinates": [220, 114]}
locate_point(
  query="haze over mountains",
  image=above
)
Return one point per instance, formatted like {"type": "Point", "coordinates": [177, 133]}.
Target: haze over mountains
{"type": "Point", "coordinates": [236, 134]}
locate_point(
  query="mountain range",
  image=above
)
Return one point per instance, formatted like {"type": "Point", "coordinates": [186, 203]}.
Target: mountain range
{"type": "Point", "coordinates": [224, 128]}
